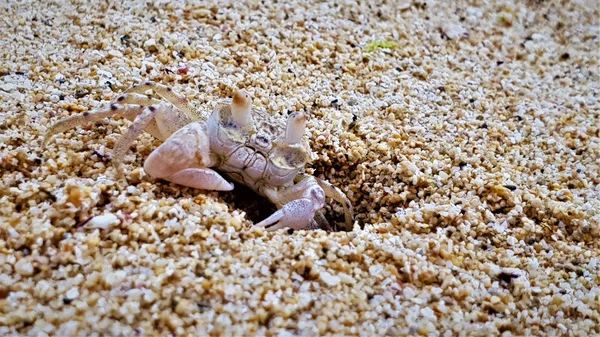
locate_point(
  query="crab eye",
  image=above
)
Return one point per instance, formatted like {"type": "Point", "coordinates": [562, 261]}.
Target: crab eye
{"type": "Point", "coordinates": [241, 107]}
{"type": "Point", "coordinates": [296, 126]}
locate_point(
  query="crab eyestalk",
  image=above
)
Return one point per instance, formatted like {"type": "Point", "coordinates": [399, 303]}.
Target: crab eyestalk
{"type": "Point", "coordinates": [241, 107]}
{"type": "Point", "coordinates": [296, 125]}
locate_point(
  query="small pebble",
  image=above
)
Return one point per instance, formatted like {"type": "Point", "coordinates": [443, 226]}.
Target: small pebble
{"type": "Point", "coordinates": [104, 221]}
{"type": "Point", "coordinates": [115, 53]}
{"type": "Point", "coordinates": [24, 267]}
{"type": "Point", "coordinates": [72, 294]}
{"type": "Point", "coordinates": [328, 279]}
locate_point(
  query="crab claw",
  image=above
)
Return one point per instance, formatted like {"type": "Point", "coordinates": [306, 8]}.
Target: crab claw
{"type": "Point", "coordinates": [297, 214]}
{"type": "Point", "coordinates": [300, 204]}
{"type": "Point", "coordinates": [184, 159]}
{"type": "Point", "coordinates": [296, 125]}
{"type": "Point", "coordinates": [241, 107]}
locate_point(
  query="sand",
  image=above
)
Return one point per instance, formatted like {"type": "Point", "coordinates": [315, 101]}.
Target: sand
{"type": "Point", "coordinates": [466, 135]}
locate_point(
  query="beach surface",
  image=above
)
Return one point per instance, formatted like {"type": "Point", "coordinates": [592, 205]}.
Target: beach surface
{"type": "Point", "coordinates": [465, 134]}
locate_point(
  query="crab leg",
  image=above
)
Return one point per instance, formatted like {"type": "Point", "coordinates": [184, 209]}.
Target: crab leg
{"type": "Point", "coordinates": [129, 112]}
{"type": "Point", "coordinates": [321, 221]}
{"type": "Point", "coordinates": [115, 108]}
{"type": "Point", "coordinates": [339, 196]}
{"type": "Point", "coordinates": [137, 99]}
{"type": "Point", "coordinates": [167, 93]}
{"type": "Point", "coordinates": [139, 124]}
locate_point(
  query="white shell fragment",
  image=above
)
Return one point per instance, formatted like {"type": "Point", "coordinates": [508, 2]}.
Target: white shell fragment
{"type": "Point", "coordinates": [104, 221]}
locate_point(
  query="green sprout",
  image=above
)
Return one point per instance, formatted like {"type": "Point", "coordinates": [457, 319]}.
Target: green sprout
{"type": "Point", "coordinates": [380, 44]}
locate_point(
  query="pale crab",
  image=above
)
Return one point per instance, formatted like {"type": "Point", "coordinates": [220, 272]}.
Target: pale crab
{"type": "Point", "coordinates": [248, 146]}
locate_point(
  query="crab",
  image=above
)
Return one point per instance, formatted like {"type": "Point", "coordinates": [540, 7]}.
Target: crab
{"type": "Point", "coordinates": [248, 146]}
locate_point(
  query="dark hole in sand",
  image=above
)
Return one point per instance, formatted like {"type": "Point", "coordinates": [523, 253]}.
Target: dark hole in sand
{"type": "Point", "coordinates": [256, 206]}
